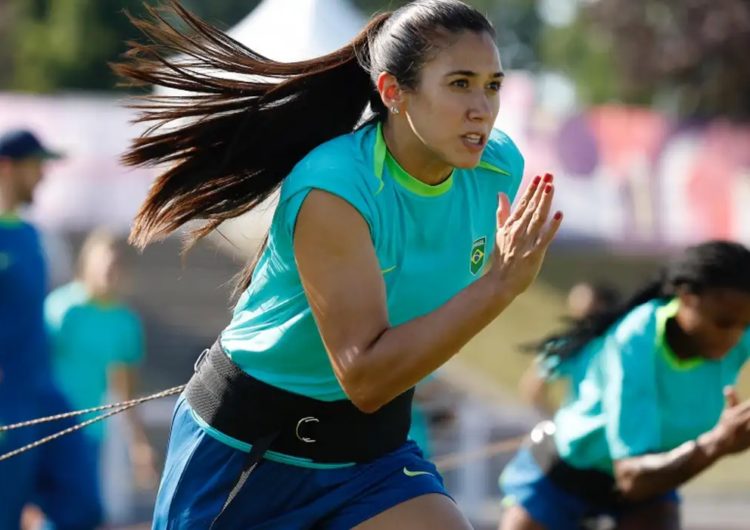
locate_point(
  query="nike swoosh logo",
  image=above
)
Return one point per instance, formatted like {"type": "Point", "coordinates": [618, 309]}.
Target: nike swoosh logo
{"type": "Point", "coordinates": [386, 271]}
{"type": "Point", "coordinates": [415, 473]}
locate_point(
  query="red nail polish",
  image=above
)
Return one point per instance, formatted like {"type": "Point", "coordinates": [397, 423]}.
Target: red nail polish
{"type": "Point", "coordinates": [537, 179]}
{"type": "Point", "coordinates": [548, 177]}
{"type": "Point", "coordinates": [548, 188]}
{"type": "Point", "coordinates": [558, 216]}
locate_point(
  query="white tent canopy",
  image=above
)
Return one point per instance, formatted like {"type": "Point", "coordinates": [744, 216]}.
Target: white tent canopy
{"type": "Point", "coordinates": [293, 30]}
{"type": "Point", "coordinates": [286, 30]}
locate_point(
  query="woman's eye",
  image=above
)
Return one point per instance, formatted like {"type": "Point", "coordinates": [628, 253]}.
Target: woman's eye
{"type": "Point", "coordinates": [461, 83]}
{"type": "Point", "coordinates": [496, 86]}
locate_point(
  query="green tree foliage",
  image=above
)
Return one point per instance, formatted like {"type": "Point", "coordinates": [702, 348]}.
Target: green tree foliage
{"type": "Point", "coordinates": [694, 48]}
{"type": "Point", "coordinates": [583, 53]}
{"type": "Point", "coordinates": [66, 45]}
{"type": "Point", "coordinates": [53, 45]}
{"type": "Point", "coordinates": [690, 53]}
{"type": "Point", "coordinates": [59, 45]}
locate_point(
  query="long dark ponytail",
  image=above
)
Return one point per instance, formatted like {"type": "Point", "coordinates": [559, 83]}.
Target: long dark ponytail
{"type": "Point", "coordinates": [708, 265]}
{"type": "Point", "coordinates": [245, 136]}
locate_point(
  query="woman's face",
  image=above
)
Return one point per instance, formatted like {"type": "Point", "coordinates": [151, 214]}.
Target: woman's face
{"type": "Point", "coordinates": [714, 320]}
{"type": "Point", "coordinates": [455, 105]}
{"type": "Point", "coordinates": [22, 178]}
{"type": "Point", "coordinates": [102, 272]}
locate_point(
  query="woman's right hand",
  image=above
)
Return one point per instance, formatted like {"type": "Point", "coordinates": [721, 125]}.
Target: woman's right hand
{"type": "Point", "coordinates": [524, 235]}
{"type": "Point", "coordinates": [732, 433]}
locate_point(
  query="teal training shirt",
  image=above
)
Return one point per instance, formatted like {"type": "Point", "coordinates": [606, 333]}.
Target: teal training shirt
{"type": "Point", "coordinates": [629, 394]}
{"type": "Point", "coordinates": [431, 241]}
{"type": "Point", "coordinates": [89, 338]}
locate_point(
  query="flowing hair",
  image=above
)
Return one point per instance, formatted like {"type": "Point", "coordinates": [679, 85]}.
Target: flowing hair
{"type": "Point", "coordinates": [232, 142]}
{"type": "Point", "coordinates": [705, 266]}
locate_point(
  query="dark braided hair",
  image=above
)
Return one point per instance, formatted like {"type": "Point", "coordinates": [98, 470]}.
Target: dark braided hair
{"type": "Point", "coordinates": [709, 265]}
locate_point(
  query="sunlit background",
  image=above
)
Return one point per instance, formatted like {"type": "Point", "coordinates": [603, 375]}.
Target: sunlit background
{"type": "Point", "coordinates": [639, 107]}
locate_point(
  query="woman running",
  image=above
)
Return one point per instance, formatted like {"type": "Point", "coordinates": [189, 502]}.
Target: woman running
{"type": "Point", "coordinates": [650, 403]}
{"type": "Point", "coordinates": [375, 272]}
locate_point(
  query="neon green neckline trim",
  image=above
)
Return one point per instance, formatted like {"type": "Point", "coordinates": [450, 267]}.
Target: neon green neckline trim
{"type": "Point", "coordinates": [663, 314]}
{"type": "Point", "coordinates": [486, 165]}
{"type": "Point", "coordinates": [383, 158]}
{"type": "Point", "coordinates": [400, 175]}
{"type": "Point", "coordinates": [9, 219]}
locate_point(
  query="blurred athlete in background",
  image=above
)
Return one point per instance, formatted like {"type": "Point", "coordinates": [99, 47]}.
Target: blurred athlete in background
{"type": "Point", "coordinates": [650, 402]}
{"type": "Point", "coordinates": [60, 476]}
{"type": "Point", "coordinates": [98, 344]}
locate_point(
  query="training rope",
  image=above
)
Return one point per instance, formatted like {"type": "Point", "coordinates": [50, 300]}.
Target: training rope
{"type": "Point", "coordinates": [444, 463]}
{"type": "Point", "coordinates": [456, 460]}
{"type": "Point", "coordinates": [114, 408]}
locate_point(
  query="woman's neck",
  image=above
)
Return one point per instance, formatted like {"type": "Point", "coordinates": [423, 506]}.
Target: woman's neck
{"type": "Point", "coordinates": [679, 342]}
{"type": "Point", "coordinates": [99, 294]}
{"type": "Point", "coordinates": [412, 155]}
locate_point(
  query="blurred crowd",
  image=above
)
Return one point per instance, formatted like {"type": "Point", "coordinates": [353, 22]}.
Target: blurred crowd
{"type": "Point", "coordinates": [83, 350]}
{"type": "Point", "coordinates": [98, 346]}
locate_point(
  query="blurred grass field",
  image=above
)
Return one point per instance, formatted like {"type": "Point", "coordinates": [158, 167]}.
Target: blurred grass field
{"type": "Point", "coordinates": [494, 352]}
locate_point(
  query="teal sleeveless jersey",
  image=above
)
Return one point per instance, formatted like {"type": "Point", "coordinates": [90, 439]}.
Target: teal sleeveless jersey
{"type": "Point", "coordinates": [89, 338]}
{"type": "Point", "coordinates": [629, 395]}
{"type": "Point", "coordinates": [431, 241]}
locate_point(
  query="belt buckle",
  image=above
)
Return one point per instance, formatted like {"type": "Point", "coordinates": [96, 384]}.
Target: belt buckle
{"type": "Point", "coordinates": [201, 358]}
{"type": "Point", "coordinates": [300, 423]}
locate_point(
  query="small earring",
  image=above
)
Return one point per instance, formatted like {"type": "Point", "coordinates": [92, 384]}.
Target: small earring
{"type": "Point", "coordinates": [395, 110]}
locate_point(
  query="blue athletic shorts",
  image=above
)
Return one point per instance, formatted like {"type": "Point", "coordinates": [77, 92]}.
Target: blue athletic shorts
{"type": "Point", "coordinates": [200, 471]}
{"type": "Point", "coordinates": [524, 483]}
{"type": "Point", "coordinates": [61, 476]}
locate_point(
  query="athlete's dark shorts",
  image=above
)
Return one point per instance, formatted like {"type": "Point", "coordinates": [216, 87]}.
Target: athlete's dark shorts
{"type": "Point", "coordinates": [200, 471]}
{"type": "Point", "coordinates": [524, 483]}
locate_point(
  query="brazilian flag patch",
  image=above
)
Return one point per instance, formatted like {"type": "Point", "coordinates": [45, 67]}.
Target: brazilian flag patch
{"type": "Point", "coordinates": [478, 249]}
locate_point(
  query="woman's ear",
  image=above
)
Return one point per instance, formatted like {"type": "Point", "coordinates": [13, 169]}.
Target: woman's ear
{"type": "Point", "coordinates": [390, 92]}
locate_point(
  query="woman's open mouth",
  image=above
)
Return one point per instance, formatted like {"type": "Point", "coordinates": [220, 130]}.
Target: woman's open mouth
{"type": "Point", "coordinates": [474, 142]}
